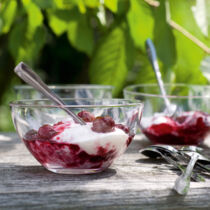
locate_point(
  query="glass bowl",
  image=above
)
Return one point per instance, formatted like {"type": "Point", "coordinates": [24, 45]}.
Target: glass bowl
{"type": "Point", "coordinates": [66, 91]}
{"type": "Point", "coordinates": [64, 146]}
{"type": "Point", "coordinates": [188, 125]}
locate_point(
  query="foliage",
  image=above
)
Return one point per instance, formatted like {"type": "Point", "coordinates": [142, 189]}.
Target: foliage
{"type": "Point", "coordinates": [106, 39]}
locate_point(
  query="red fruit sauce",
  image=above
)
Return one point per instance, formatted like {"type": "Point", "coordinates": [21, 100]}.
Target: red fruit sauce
{"type": "Point", "coordinates": [66, 155]}
{"type": "Point", "coordinates": [190, 128]}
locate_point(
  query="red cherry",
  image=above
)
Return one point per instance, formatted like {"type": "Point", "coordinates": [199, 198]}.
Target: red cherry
{"type": "Point", "coordinates": [103, 124]}
{"type": "Point", "coordinates": [31, 135]}
{"type": "Point", "coordinates": [46, 132]}
{"type": "Point", "coordinates": [86, 116]}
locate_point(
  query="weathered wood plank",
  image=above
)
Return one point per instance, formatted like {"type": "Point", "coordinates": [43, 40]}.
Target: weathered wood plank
{"type": "Point", "coordinates": [133, 182]}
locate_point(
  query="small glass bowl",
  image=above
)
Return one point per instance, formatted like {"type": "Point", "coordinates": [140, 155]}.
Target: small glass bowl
{"type": "Point", "coordinates": [63, 146]}
{"type": "Point", "coordinates": [188, 125]}
{"type": "Point", "coordinates": [66, 91]}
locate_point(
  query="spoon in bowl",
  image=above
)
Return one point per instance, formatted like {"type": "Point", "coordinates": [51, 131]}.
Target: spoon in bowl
{"type": "Point", "coordinates": [30, 77]}
{"type": "Point", "coordinates": [170, 108]}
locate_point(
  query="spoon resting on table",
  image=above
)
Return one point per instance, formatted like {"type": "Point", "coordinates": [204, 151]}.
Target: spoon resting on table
{"type": "Point", "coordinates": [31, 78]}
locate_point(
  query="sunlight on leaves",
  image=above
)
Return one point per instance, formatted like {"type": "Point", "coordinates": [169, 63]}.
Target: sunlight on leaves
{"type": "Point", "coordinates": [205, 67]}
{"type": "Point", "coordinates": [141, 22]}
{"type": "Point", "coordinates": [111, 4]}
{"type": "Point", "coordinates": [57, 24]}
{"type": "Point", "coordinates": [7, 15]}
{"type": "Point", "coordinates": [189, 55]}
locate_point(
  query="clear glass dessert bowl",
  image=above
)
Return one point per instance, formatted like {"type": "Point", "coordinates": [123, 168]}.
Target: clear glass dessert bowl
{"type": "Point", "coordinates": [64, 146]}
{"type": "Point", "coordinates": [66, 91]}
{"type": "Point", "coordinates": [190, 122]}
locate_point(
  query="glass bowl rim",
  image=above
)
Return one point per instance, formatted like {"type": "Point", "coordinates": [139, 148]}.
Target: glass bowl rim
{"type": "Point", "coordinates": [130, 103]}
{"type": "Point", "coordinates": [125, 90]}
{"type": "Point", "coordinates": [67, 86]}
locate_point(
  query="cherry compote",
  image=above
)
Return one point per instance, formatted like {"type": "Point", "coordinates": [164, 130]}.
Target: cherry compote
{"type": "Point", "coordinates": [48, 148]}
{"type": "Point", "coordinates": [189, 128]}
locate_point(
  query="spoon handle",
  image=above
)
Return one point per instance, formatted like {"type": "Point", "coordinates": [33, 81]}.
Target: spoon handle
{"type": "Point", "coordinates": [182, 183]}
{"type": "Point", "coordinates": [30, 77]}
{"type": "Point", "coordinates": [153, 59]}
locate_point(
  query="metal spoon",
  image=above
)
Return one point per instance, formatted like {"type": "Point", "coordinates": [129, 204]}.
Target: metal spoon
{"type": "Point", "coordinates": [183, 154]}
{"type": "Point", "coordinates": [202, 162]}
{"type": "Point", "coordinates": [172, 156]}
{"type": "Point", "coordinates": [170, 108]}
{"type": "Point", "coordinates": [182, 183]}
{"type": "Point", "coordinates": [30, 77]}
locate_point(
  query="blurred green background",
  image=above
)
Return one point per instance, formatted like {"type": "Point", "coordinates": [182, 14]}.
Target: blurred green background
{"type": "Point", "coordinates": [102, 42]}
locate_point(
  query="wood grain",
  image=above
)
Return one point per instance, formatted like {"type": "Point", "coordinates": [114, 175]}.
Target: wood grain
{"type": "Point", "coordinates": [133, 182]}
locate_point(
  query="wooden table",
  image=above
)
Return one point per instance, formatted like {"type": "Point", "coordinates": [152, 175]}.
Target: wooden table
{"type": "Point", "coordinates": [133, 182]}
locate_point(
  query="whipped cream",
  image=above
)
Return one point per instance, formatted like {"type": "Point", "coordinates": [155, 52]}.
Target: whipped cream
{"type": "Point", "coordinates": [88, 140]}
{"type": "Point", "coordinates": [158, 118]}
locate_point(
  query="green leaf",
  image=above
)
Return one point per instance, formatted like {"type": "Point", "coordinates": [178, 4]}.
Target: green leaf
{"type": "Point", "coordinates": [123, 7]}
{"type": "Point", "coordinates": [81, 6]}
{"type": "Point", "coordinates": [35, 46]}
{"type": "Point", "coordinates": [58, 24]}
{"type": "Point", "coordinates": [113, 59]}
{"type": "Point", "coordinates": [182, 13]}
{"type": "Point", "coordinates": [189, 55]}
{"type": "Point", "coordinates": [164, 41]}
{"type": "Point", "coordinates": [17, 39]}
{"type": "Point", "coordinates": [46, 4]}
{"type": "Point", "coordinates": [141, 22]}
{"type": "Point", "coordinates": [35, 17]}
{"type": "Point", "coordinates": [80, 34]}
{"type": "Point", "coordinates": [23, 49]}
{"type": "Point", "coordinates": [65, 4]}
{"type": "Point", "coordinates": [7, 14]}
{"type": "Point", "coordinates": [144, 73]}
{"type": "Point", "coordinates": [92, 3]}
{"type": "Point", "coordinates": [111, 4]}
{"type": "Point", "coordinates": [200, 11]}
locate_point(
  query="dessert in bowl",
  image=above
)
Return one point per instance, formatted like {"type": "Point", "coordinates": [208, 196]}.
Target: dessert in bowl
{"type": "Point", "coordinates": [190, 122]}
{"type": "Point", "coordinates": [66, 91]}
{"type": "Point", "coordinates": [64, 146]}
